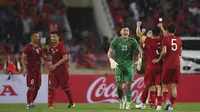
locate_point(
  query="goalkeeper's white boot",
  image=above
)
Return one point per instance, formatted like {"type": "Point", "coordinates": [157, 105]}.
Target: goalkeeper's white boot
{"type": "Point", "coordinates": [51, 108]}
{"type": "Point", "coordinates": [170, 109]}
{"type": "Point", "coordinates": [158, 108]}
{"type": "Point", "coordinates": [122, 104]}
{"type": "Point", "coordinates": [128, 105]}
{"type": "Point", "coordinates": [140, 106]}
{"type": "Point", "coordinates": [168, 103]}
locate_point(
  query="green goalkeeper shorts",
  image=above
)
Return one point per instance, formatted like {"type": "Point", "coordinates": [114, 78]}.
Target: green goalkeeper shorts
{"type": "Point", "coordinates": [123, 74]}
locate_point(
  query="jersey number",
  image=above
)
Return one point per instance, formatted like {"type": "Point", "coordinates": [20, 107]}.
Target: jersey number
{"type": "Point", "coordinates": [173, 44]}
{"type": "Point", "coordinates": [124, 47]}
{"type": "Point", "coordinates": [159, 49]}
{"type": "Point", "coordinates": [117, 78]}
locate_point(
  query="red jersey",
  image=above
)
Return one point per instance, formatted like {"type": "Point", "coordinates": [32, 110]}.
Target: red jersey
{"type": "Point", "coordinates": [57, 54]}
{"type": "Point", "coordinates": [33, 58]}
{"type": "Point", "coordinates": [153, 48]}
{"type": "Point", "coordinates": [172, 57]}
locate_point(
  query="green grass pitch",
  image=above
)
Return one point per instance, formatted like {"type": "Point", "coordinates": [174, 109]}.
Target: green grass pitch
{"type": "Point", "coordinates": [98, 107]}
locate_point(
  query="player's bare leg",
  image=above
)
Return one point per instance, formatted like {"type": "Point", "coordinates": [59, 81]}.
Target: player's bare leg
{"type": "Point", "coordinates": [29, 95]}
{"type": "Point", "coordinates": [159, 97]}
{"type": "Point", "coordinates": [128, 95]}
{"type": "Point", "coordinates": [166, 96]}
{"type": "Point", "coordinates": [174, 95]}
{"type": "Point", "coordinates": [144, 98]}
{"type": "Point", "coordinates": [120, 95]}
{"type": "Point", "coordinates": [152, 96]}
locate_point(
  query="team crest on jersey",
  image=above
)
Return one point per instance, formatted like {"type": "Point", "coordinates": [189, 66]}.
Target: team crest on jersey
{"type": "Point", "coordinates": [54, 50]}
{"type": "Point", "coordinates": [129, 44]}
{"type": "Point", "coordinates": [37, 50]}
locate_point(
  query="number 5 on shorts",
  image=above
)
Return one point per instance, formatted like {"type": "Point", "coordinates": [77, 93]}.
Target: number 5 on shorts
{"type": "Point", "coordinates": [117, 78]}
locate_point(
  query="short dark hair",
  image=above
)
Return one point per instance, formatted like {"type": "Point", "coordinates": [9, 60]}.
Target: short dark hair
{"type": "Point", "coordinates": [156, 31]}
{"type": "Point", "coordinates": [55, 32]}
{"type": "Point", "coordinates": [124, 26]}
{"type": "Point", "coordinates": [32, 33]}
{"type": "Point", "coordinates": [171, 28]}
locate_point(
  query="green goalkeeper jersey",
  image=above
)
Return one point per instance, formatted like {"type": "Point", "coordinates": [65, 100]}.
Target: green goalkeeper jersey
{"type": "Point", "coordinates": [123, 50]}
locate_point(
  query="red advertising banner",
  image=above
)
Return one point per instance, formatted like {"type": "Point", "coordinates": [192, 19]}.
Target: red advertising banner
{"type": "Point", "coordinates": [102, 88]}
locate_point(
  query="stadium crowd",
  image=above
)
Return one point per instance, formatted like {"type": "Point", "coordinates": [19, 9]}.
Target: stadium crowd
{"type": "Point", "coordinates": [184, 13]}
{"type": "Point", "coordinates": [19, 17]}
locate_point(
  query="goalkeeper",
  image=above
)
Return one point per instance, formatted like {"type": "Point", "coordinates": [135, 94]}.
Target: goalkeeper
{"type": "Point", "coordinates": [122, 63]}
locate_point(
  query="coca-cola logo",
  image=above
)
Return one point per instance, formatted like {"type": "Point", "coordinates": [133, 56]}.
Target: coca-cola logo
{"type": "Point", "coordinates": [102, 90]}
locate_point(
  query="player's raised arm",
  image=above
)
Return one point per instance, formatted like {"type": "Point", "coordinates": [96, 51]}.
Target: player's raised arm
{"type": "Point", "coordinates": [160, 25]}
{"type": "Point", "coordinates": [138, 30]}
{"type": "Point", "coordinates": [140, 33]}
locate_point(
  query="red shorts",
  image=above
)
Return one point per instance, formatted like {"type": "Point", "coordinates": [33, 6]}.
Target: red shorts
{"type": "Point", "coordinates": [56, 80]}
{"type": "Point", "coordinates": [152, 76]}
{"type": "Point", "coordinates": [33, 80]}
{"type": "Point", "coordinates": [171, 75]}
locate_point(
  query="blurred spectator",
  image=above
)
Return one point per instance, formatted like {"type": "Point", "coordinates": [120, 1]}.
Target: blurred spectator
{"type": "Point", "coordinates": [105, 45]}
{"type": "Point", "coordinates": [27, 24]}
{"type": "Point", "coordinates": [134, 10]}
{"type": "Point", "coordinates": [20, 17]}
{"type": "Point", "coordinates": [11, 66]}
{"type": "Point", "coordinates": [86, 60]}
{"type": "Point", "coordinates": [73, 49]}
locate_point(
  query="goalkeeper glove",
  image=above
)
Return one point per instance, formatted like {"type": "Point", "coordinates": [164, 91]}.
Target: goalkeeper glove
{"type": "Point", "coordinates": [113, 63]}
{"type": "Point", "coordinates": [139, 64]}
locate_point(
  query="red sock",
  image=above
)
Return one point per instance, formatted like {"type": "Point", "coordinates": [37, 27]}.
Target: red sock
{"type": "Point", "coordinates": [166, 96]}
{"type": "Point", "coordinates": [35, 92]}
{"type": "Point", "coordinates": [51, 96]}
{"type": "Point", "coordinates": [153, 96]}
{"type": "Point", "coordinates": [145, 95]}
{"type": "Point", "coordinates": [159, 100]}
{"type": "Point", "coordinates": [69, 95]}
{"type": "Point", "coordinates": [29, 96]}
{"type": "Point", "coordinates": [173, 99]}
{"type": "Point", "coordinates": [149, 100]}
